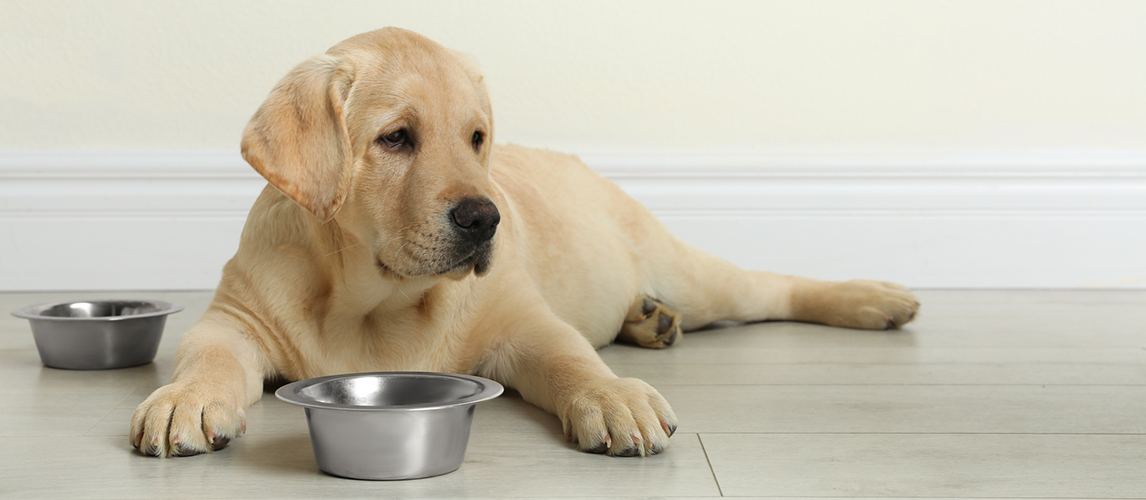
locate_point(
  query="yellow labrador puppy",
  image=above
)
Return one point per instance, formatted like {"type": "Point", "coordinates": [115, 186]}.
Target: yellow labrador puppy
{"type": "Point", "coordinates": [394, 235]}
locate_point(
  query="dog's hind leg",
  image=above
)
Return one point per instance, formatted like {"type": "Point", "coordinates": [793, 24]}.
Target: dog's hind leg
{"type": "Point", "coordinates": [703, 288]}
{"type": "Point", "coordinates": [651, 324]}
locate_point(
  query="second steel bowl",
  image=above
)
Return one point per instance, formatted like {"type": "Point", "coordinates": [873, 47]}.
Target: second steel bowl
{"type": "Point", "coordinates": [98, 334]}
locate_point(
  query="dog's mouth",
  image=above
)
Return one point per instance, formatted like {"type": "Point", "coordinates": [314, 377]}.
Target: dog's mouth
{"type": "Point", "coordinates": [388, 272]}
{"type": "Point", "coordinates": [457, 265]}
{"type": "Point", "coordinates": [476, 261]}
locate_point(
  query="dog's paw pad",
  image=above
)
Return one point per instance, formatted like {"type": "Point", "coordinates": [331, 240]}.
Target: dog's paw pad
{"type": "Point", "coordinates": [650, 323]}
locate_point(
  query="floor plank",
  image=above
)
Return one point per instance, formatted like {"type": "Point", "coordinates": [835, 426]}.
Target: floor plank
{"type": "Point", "coordinates": [926, 465]}
{"type": "Point", "coordinates": [914, 409]}
{"type": "Point", "coordinates": [885, 374]}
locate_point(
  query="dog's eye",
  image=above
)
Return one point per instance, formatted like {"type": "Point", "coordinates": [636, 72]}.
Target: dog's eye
{"type": "Point", "coordinates": [394, 140]}
{"type": "Point", "coordinates": [478, 139]}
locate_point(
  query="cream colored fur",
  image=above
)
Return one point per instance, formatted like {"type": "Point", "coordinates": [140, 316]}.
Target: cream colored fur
{"type": "Point", "coordinates": [341, 267]}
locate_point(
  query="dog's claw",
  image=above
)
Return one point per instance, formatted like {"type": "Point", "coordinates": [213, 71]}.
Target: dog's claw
{"type": "Point", "coordinates": [628, 452]}
{"type": "Point", "coordinates": [219, 443]}
{"type": "Point", "coordinates": [185, 452]}
{"type": "Point", "coordinates": [599, 449]}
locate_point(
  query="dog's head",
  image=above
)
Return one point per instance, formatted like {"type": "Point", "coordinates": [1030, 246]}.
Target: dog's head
{"type": "Point", "coordinates": [388, 135]}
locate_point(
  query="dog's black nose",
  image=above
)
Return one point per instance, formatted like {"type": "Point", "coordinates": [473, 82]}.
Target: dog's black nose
{"type": "Point", "coordinates": [476, 219]}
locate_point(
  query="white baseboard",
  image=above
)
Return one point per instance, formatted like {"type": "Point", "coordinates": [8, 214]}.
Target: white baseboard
{"type": "Point", "coordinates": [139, 220]}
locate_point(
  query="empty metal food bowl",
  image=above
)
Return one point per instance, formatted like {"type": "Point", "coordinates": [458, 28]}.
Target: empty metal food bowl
{"type": "Point", "coordinates": [389, 425]}
{"type": "Point", "coordinates": [98, 334]}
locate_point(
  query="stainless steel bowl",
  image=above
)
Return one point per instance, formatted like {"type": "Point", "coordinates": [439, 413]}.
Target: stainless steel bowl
{"type": "Point", "coordinates": [98, 334]}
{"type": "Point", "coordinates": [389, 425]}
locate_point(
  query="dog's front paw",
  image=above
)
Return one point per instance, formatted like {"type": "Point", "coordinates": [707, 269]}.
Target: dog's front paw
{"type": "Point", "coordinates": [184, 419]}
{"type": "Point", "coordinates": [620, 417]}
{"type": "Point", "coordinates": [868, 305]}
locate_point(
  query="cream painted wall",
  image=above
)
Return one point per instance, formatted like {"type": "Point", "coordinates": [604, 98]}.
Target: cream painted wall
{"type": "Point", "coordinates": [962, 144]}
{"type": "Point", "coordinates": [605, 75]}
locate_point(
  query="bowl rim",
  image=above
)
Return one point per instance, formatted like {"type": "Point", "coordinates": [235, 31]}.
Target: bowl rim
{"type": "Point", "coordinates": [36, 312]}
{"type": "Point", "coordinates": [488, 389]}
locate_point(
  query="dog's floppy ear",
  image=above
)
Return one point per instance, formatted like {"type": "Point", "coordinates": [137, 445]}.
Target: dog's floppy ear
{"type": "Point", "coordinates": [298, 140]}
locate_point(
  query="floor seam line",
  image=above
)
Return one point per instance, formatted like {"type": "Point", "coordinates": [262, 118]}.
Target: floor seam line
{"type": "Point", "coordinates": [112, 410]}
{"type": "Point", "coordinates": [710, 469]}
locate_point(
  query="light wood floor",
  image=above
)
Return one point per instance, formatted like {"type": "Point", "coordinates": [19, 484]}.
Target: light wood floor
{"type": "Point", "coordinates": [989, 394]}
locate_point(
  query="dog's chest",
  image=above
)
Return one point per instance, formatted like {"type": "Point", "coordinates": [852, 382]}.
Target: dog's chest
{"type": "Point", "coordinates": [392, 343]}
